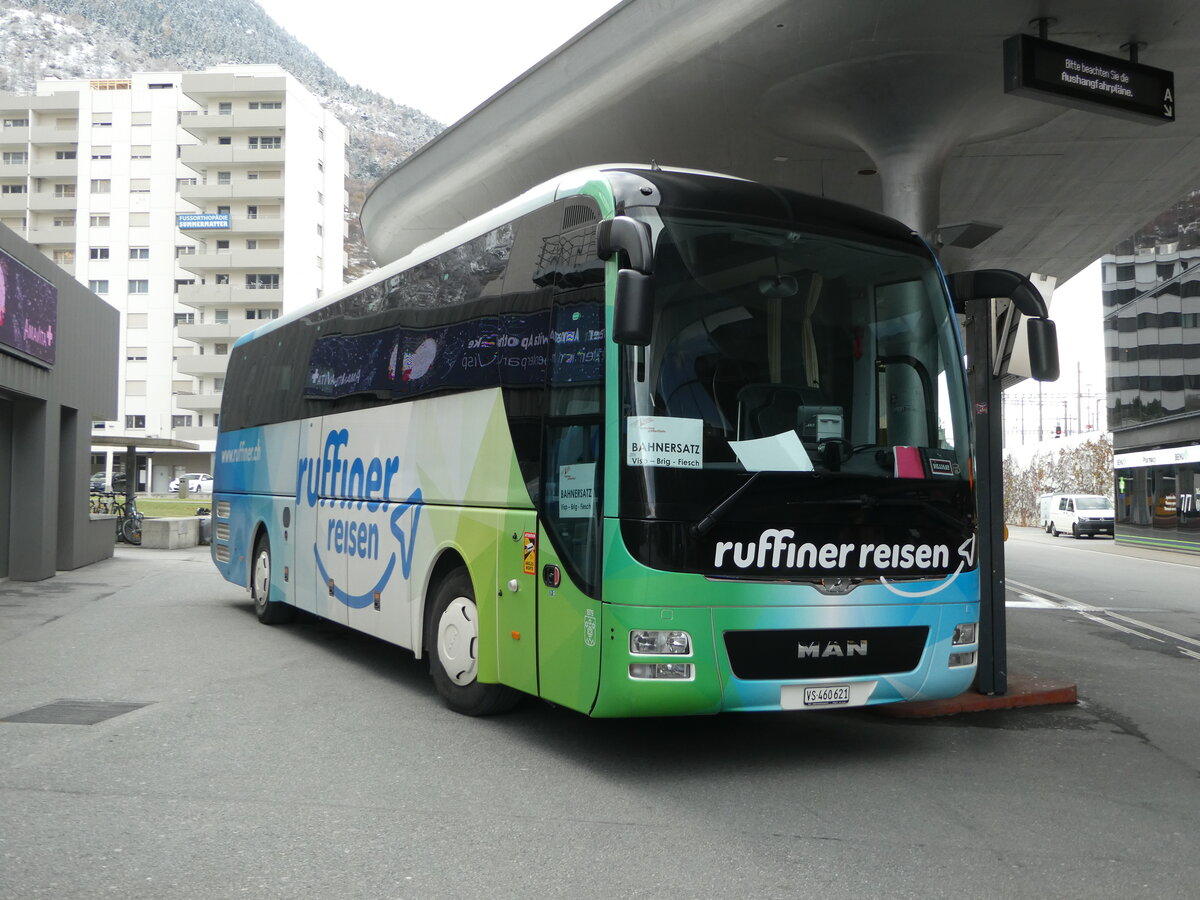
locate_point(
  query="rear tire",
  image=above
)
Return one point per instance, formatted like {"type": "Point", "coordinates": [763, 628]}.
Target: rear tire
{"type": "Point", "coordinates": [1075, 530]}
{"type": "Point", "coordinates": [268, 611]}
{"type": "Point", "coordinates": [452, 639]}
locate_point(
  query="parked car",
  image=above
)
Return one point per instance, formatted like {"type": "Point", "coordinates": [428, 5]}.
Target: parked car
{"type": "Point", "coordinates": [99, 483]}
{"type": "Point", "coordinates": [197, 482]}
{"type": "Point", "coordinates": [1081, 514]}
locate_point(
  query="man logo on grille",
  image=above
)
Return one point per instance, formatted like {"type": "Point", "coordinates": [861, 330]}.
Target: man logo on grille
{"type": "Point", "coordinates": [819, 650]}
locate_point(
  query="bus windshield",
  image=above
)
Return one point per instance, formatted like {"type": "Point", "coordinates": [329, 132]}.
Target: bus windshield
{"type": "Point", "coordinates": [777, 350]}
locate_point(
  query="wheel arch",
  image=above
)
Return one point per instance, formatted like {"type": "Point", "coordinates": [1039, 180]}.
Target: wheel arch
{"type": "Point", "coordinates": [257, 530]}
{"type": "Point", "coordinates": [450, 559]}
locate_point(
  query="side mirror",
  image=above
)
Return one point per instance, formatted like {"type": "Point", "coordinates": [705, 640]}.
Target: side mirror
{"type": "Point", "coordinates": [989, 284]}
{"type": "Point", "coordinates": [1043, 349]}
{"type": "Point", "coordinates": [633, 312]}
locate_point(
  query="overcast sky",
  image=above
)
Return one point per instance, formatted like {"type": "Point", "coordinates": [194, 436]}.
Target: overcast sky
{"type": "Point", "coordinates": [443, 57]}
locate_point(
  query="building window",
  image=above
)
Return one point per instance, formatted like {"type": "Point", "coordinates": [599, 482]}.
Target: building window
{"type": "Point", "coordinates": [101, 186]}
{"type": "Point", "coordinates": [262, 314]}
{"type": "Point", "coordinates": [99, 286]}
{"type": "Point", "coordinates": [222, 245]}
{"type": "Point", "coordinates": [265, 143]}
{"type": "Point", "coordinates": [139, 185]}
{"type": "Point", "coordinates": [185, 250]}
{"type": "Point", "coordinates": [98, 253]}
{"type": "Point", "coordinates": [102, 153]}
{"type": "Point", "coordinates": [183, 282]}
{"type": "Point", "coordinates": [64, 154]}
{"type": "Point", "coordinates": [98, 221]}
{"type": "Point", "coordinates": [139, 152]}
{"type": "Point", "coordinates": [139, 286]}
{"type": "Point", "coordinates": [251, 244]}
{"type": "Point", "coordinates": [221, 349]}
{"type": "Point", "coordinates": [16, 123]}
{"type": "Point", "coordinates": [221, 278]}
{"type": "Point", "coordinates": [181, 421]}
{"type": "Point", "coordinates": [266, 104]}
{"type": "Point", "coordinates": [161, 86]}
{"type": "Point", "coordinates": [220, 316]}
{"type": "Point", "coordinates": [102, 120]}
{"type": "Point", "coordinates": [251, 212]}
{"type": "Point", "coordinates": [64, 257]}
{"type": "Point", "coordinates": [224, 140]}
{"type": "Point", "coordinates": [13, 189]}
{"type": "Point", "coordinates": [224, 177]}
{"type": "Point", "coordinates": [135, 354]}
{"type": "Point", "coordinates": [224, 109]}
{"type": "Point", "coordinates": [64, 221]}
{"type": "Point", "coordinates": [15, 157]}
{"type": "Point", "coordinates": [184, 182]}
{"type": "Point", "coordinates": [64, 191]}
{"type": "Point", "coordinates": [135, 421]}
{"type": "Point", "coordinates": [139, 252]}
{"type": "Point", "coordinates": [185, 318]}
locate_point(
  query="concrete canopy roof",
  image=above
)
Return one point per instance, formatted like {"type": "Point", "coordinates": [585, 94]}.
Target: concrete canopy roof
{"type": "Point", "coordinates": [809, 94]}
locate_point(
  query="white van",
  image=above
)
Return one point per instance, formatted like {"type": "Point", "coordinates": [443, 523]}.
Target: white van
{"type": "Point", "coordinates": [1044, 502]}
{"type": "Point", "coordinates": [1081, 514]}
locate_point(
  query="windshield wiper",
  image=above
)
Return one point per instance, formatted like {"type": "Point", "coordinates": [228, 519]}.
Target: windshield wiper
{"type": "Point", "coordinates": [705, 525]}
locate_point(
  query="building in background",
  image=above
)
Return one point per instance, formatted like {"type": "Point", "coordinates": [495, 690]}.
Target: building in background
{"type": "Point", "coordinates": [1152, 346]}
{"type": "Point", "coordinates": [169, 195]}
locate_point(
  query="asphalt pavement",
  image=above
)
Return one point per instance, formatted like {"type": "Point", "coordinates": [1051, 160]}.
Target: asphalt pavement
{"type": "Point", "coordinates": [230, 759]}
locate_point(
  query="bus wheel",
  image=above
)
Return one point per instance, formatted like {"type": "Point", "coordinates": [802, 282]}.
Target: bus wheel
{"type": "Point", "coordinates": [269, 612]}
{"type": "Point", "coordinates": [453, 642]}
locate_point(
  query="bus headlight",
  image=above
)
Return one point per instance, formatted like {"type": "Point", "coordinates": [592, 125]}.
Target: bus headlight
{"type": "Point", "coordinates": [675, 671]}
{"type": "Point", "coordinates": [965, 633]}
{"type": "Point", "coordinates": [656, 643]}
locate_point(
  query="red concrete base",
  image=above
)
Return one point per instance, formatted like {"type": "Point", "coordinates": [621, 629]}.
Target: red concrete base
{"type": "Point", "coordinates": [1023, 690]}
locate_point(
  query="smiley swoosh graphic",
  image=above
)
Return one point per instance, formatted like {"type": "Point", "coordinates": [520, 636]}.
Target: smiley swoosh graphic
{"type": "Point", "coordinates": [356, 601]}
{"type": "Point", "coordinates": [966, 550]}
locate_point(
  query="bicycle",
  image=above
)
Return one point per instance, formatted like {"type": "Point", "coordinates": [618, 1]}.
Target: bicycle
{"type": "Point", "coordinates": [129, 521]}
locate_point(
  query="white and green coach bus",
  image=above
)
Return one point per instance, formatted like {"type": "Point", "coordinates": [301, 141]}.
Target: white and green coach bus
{"type": "Point", "coordinates": [640, 442]}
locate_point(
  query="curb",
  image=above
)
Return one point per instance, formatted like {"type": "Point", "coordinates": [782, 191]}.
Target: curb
{"type": "Point", "coordinates": [1023, 690]}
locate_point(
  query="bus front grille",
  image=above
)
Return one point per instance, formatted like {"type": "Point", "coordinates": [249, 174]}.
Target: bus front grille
{"type": "Point", "coordinates": [824, 652]}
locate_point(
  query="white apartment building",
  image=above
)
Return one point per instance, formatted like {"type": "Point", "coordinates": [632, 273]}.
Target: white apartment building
{"type": "Point", "coordinates": [194, 203]}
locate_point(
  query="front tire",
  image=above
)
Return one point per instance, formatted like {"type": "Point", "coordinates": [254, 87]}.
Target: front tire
{"type": "Point", "coordinates": [453, 645]}
{"type": "Point", "coordinates": [131, 530]}
{"type": "Point", "coordinates": [1075, 530]}
{"type": "Point", "coordinates": [269, 612]}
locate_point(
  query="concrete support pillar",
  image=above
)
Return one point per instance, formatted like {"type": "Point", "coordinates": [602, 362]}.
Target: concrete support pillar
{"type": "Point", "coordinates": [912, 191]}
{"type": "Point", "coordinates": [33, 514]}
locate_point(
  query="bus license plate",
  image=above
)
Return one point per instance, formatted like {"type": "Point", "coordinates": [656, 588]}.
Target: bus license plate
{"type": "Point", "coordinates": [827, 695]}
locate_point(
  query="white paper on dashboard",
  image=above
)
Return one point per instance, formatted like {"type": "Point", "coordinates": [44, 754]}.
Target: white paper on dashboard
{"type": "Point", "coordinates": [778, 453]}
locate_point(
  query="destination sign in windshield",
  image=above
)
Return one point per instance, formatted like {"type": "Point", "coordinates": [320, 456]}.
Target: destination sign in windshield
{"type": "Point", "coordinates": [1081, 79]}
